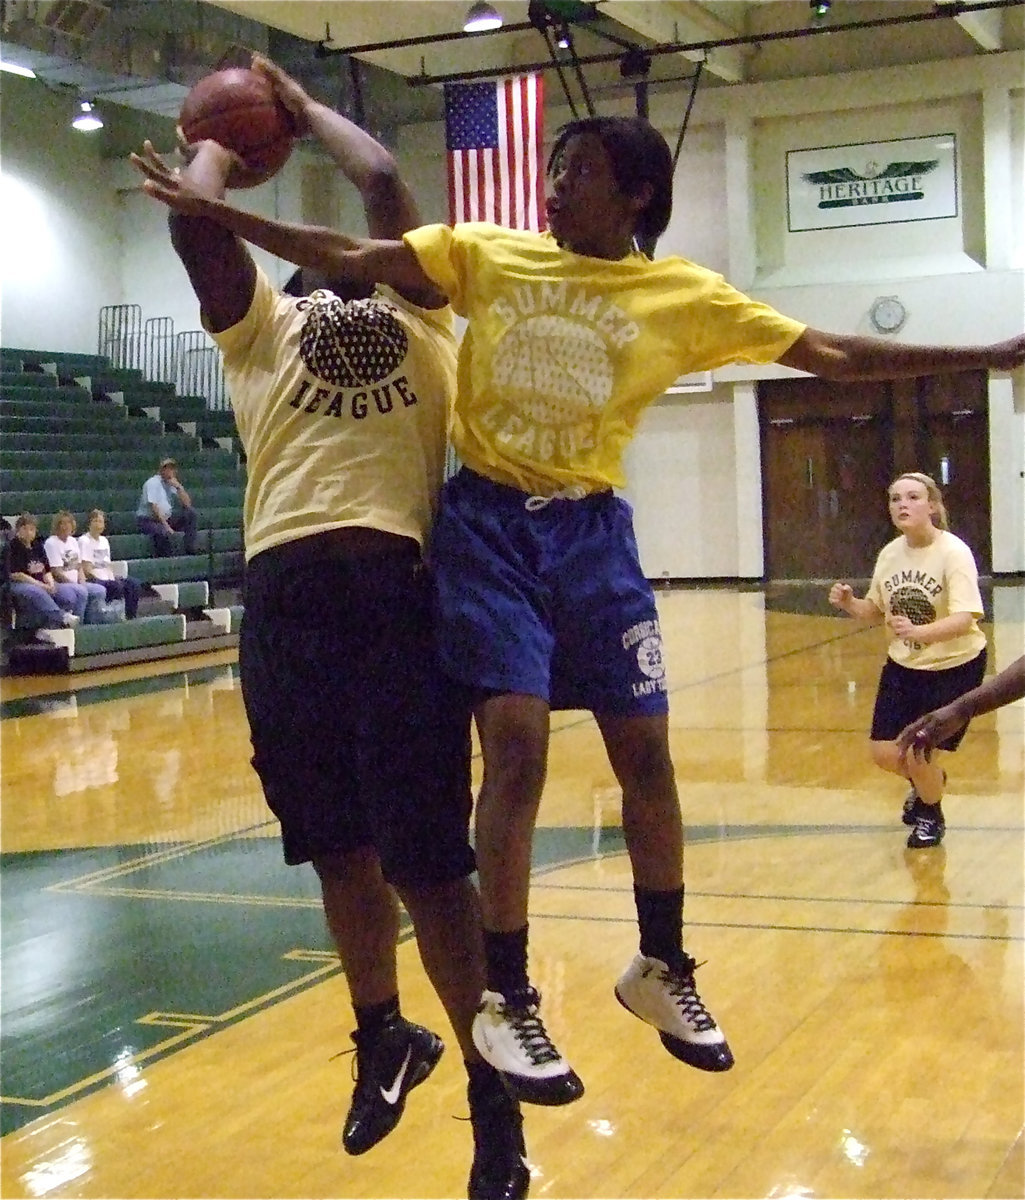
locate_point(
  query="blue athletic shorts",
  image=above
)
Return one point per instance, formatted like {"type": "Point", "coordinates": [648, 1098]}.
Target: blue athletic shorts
{"type": "Point", "coordinates": [358, 738]}
{"type": "Point", "coordinates": [547, 600]}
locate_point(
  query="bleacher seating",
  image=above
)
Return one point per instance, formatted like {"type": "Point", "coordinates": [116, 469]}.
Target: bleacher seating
{"type": "Point", "coordinates": [76, 433]}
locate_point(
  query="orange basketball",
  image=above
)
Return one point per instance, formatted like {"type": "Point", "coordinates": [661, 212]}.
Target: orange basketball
{"type": "Point", "coordinates": [238, 108]}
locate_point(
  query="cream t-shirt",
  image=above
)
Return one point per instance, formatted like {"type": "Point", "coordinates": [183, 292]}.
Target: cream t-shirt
{"type": "Point", "coordinates": [926, 583]}
{"type": "Point", "coordinates": [342, 407]}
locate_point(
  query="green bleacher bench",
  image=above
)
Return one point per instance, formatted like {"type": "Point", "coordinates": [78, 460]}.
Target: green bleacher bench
{"type": "Point", "coordinates": [14, 457]}
{"type": "Point", "coordinates": [36, 400]}
{"type": "Point", "coordinates": [190, 593]}
{"type": "Point", "coordinates": [116, 420]}
{"type": "Point", "coordinates": [128, 437]}
{"type": "Point", "coordinates": [41, 381]}
{"type": "Point", "coordinates": [130, 545]}
{"type": "Point", "coordinates": [228, 618]}
{"type": "Point", "coordinates": [145, 639]}
{"type": "Point", "coordinates": [204, 499]}
{"type": "Point", "coordinates": [138, 545]}
{"type": "Point", "coordinates": [177, 569]}
{"type": "Point", "coordinates": [62, 480]}
{"type": "Point", "coordinates": [123, 520]}
{"type": "Point", "coordinates": [40, 358]}
{"type": "Point", "coordinates": [123, 635]}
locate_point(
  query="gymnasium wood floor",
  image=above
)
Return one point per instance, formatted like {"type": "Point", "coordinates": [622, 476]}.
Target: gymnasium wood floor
{"type": "Point", "coordinates": [173, 1017]}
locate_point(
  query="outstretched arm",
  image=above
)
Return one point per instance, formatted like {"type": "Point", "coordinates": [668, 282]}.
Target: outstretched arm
{"type": "Point", "coordinates": [220, 268]}
{"type": "Point", "coordinates": [361, 260]}
{"type": "Point", "coordinates": [845, 357]}
{"type": "Point", "coordinates": [922, 736]}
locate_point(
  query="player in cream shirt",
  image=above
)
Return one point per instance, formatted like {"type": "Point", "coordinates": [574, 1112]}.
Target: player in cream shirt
{"type": "Point", "coordinates": [543, 603]}
{"type": "Point", "coordinates": [925, 587]}
{"type": "Point", "coordinates": [341, 396]}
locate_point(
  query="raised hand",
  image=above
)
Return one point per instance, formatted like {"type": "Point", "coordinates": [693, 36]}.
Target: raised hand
{"type": "Point", "coordinates": [289, 91]}
{"type": "Point", "coordinates": [172, 187]}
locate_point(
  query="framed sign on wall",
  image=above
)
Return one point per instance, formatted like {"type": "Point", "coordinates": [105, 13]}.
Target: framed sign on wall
{"type": "Point", "coordinates": [872, 183]}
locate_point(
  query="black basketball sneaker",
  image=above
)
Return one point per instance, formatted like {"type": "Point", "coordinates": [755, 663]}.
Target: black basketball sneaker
{"type": "Point", "coordinates": [499, 1170]}
{"type": "Point", "coordinates": [388, 1067]}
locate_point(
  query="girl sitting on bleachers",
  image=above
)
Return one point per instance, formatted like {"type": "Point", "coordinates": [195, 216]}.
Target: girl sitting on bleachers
{"type": "Point", "coordinates": [65, 561]}
{"type": "Point", "coordinates": [94, 549]}
{"type": "Point", "coordinates": [40, 602]}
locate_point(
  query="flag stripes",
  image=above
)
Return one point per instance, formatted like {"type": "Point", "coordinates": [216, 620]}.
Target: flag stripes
{"type": "Point", "coordinates": [494, 136]}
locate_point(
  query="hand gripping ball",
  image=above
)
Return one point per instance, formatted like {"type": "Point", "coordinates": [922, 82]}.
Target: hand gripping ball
{"type": "Point", "coordinates": [238, 108]}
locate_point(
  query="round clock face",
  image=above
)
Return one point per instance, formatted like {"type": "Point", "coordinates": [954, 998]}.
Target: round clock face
{"type": "Point", "coordinates": [887, 314]}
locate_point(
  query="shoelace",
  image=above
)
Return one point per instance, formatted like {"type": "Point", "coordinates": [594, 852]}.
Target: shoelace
{"type": "Point", "coordinates": [680, 983]}
{"type": "Point", "coordinates": [925, 826]}
{"type": "Point", "coordinates": [573, 492]}
{"type": "Point", "coordinates": [357, 1075]}
{"type": "Point", "coordinates": [528, 1028]}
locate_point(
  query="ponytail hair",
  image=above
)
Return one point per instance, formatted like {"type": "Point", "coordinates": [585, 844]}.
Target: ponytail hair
{"type": "Point", "coordinates": [939, 517]}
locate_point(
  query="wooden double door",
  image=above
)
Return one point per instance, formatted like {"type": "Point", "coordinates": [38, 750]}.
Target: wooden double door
{"type": "Point", "coordinates": [830, 450]}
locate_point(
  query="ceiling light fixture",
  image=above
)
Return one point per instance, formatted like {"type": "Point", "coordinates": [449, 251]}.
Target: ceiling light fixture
{"type": "Point", "coordinates": [481, 16]}
{"type": "Point", "coordinates": [88, 119]}
{"type": "Point", "coordinates": [563, 40]}
{"type": "Point", "coordinates": [14, 69]}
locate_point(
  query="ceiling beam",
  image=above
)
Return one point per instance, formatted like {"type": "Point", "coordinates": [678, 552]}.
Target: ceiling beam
{"type": "Point", "coordinates": [985, 27]}
{"type": "Point", "coordinates": [683, 21]}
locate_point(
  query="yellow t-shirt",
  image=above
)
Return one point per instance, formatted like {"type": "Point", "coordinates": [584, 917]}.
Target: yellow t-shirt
{"type": "Point", "coordinates": [563, 352]}
{"type": "Point", "coordinates": [342, 408]}
{"type": "Point", "coordinates": [927, 583]}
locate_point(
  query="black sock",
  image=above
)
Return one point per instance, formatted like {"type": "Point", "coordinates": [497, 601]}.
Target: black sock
{"type": "Point", "coordinates": [506, 955]}
{"type": "Point", "coordinates": [660, 917]}
{"type": "Point", "coordinates": [485, 1081]}
{"type": "Point", "coordinates": [372, 1018]}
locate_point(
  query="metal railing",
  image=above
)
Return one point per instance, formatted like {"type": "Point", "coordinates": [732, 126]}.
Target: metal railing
{"type": "Point", "coordinates": [198, 369]}
{"type": "Point", "coordinates": [189, 360]}
{"type": "Point", "coordinates": [121, 336]}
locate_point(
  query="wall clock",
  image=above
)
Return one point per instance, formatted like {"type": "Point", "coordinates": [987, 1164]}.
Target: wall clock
{"type": "Point", "coordinates": [887, 314]}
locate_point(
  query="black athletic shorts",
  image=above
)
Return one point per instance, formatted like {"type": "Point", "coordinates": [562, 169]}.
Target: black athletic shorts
{"type": "Point", "coordinates": [358, 738]}
{"type": "Point", "coordinates": [904, 695]}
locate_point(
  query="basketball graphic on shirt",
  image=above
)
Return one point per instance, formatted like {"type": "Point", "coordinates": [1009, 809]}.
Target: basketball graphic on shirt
{"type": "Point", "coordinates": [913, 603]}
{"type": "Point", "coordinates": [553, 370]}
{"type": "Point", "coordinates": [351, 343]}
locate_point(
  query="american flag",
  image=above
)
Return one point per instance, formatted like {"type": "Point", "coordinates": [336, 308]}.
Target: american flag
{"type": "Point", "coordinates": [493, 134]}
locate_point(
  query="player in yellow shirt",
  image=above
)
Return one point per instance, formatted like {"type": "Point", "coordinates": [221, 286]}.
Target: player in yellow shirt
{"type": "Point", "coordinates": [570, 335]}
{"type": "Point", "coordinates": [925, 587]}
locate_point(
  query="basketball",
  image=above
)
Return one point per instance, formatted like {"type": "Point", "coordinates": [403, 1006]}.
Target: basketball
{"type": "Point", "coordinates": [238, 108]}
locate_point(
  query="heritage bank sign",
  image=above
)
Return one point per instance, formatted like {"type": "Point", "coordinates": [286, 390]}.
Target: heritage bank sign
{"type": "Point", "coordinates": [872, 183]}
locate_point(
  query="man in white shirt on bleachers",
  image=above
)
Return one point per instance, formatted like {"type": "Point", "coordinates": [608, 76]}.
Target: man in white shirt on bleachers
{"type": "Point", "coordinates": [165, 508]}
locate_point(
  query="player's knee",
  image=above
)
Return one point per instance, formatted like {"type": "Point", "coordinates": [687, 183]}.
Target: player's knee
{"type": "Point", "coordinates": [644, 765]}
{"type": "Point", "coordinates": [359, 866]}
{"type": "Point", "coordinates": [516, 763]}
{"type": "Point", "coordinates": [884, 755]}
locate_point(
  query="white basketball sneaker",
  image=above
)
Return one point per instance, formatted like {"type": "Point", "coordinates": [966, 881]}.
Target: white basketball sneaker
{"type": "Point", "coordinates": [666, 998]}
{"type": "Point", "coordinates": [511, 1037]}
